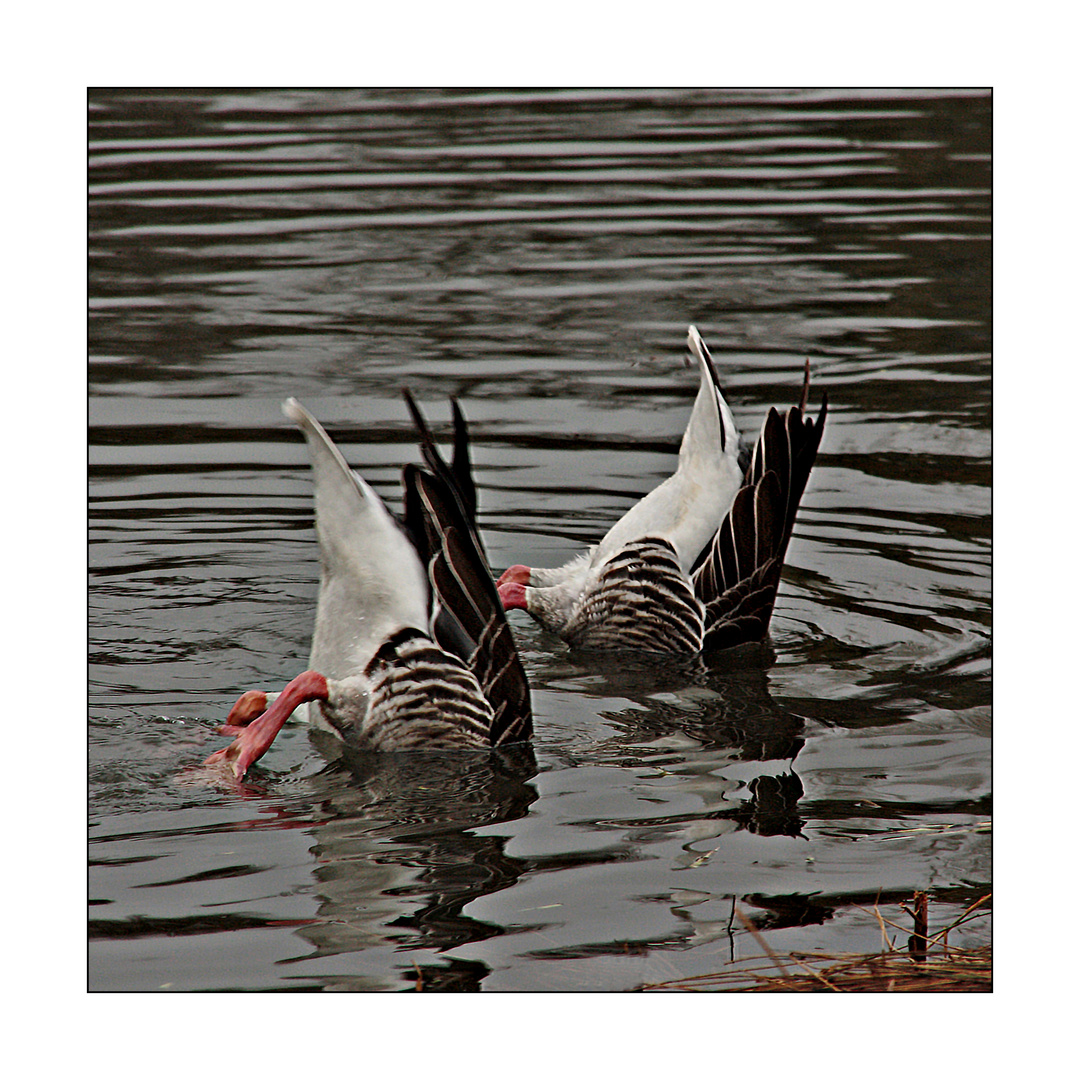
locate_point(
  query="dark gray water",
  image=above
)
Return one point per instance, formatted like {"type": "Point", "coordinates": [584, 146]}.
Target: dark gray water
{"type": "Point", "coordinates": [538, 254]}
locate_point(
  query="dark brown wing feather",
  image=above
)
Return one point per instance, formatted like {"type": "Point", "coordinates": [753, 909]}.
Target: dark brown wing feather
{"type": "Point", "coordinates": [457, 476]}
{"type": "Point", "coordinates": [461, 463]}
{"type": "Point", "coordinates": [738, 579]}
{"type": "Point", "coordinates": [470, 619]}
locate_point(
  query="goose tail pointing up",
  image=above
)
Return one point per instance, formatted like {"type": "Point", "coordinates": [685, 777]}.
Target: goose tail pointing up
{"type": "Point", "coordinates": [371, 581]}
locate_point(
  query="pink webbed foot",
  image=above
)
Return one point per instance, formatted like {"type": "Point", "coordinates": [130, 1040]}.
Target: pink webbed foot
{"type": "Point", "coordinates": [512, 595]}
{"type": "Point", "coordinates": [518, 574]}
{"type": "Point", "coordinates": [249, 706]}
{"type": "Point", "coordinates": [257, 736]}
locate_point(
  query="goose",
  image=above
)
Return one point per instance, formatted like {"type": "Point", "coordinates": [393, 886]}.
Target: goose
{"type": "Point", "coordinates": [411, 649]}
{"type": "Point", "coordinates": [694, 566]}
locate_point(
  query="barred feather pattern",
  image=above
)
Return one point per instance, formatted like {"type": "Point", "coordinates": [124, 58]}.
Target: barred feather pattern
{"type": "Point", "coordinates": [422, 698]}
{"type": "Point", "coordinates": [643, 601]}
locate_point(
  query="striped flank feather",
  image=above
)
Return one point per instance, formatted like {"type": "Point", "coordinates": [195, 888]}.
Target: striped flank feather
{"type": "Point", "coordinates": [641, 600]}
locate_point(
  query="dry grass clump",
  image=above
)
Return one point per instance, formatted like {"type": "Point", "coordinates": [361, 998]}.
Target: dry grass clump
{"type": "Point", "coordinates": [927, 965]}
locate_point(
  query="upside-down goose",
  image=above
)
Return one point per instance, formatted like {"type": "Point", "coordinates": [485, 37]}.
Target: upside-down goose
{"type": "Point", "coordinates": [695, 565]}
{"type": "Point", "coordinates": [411, 648]}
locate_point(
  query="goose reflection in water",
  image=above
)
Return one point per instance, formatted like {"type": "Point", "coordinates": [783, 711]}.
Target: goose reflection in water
{"type": "Point", "coordinates": [715, 720]}
{"type": "Point", "coordinates": [398, 852]}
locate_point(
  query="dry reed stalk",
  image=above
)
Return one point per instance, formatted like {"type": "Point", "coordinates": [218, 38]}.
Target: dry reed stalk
{"type": "Point", "coordinates": [963, 971]}
{"type": "Point", "coordinates": [915, 969]}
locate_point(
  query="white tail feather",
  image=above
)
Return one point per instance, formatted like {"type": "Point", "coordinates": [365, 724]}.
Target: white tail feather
{"type": "Point", "coordinates": [687, 508]}
{"type": "Point", "coordinates": [372, 581]}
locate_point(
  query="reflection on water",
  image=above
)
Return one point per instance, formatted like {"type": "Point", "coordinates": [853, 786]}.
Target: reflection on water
{"type": "Point", "coordinates": [396, 859]}
{"type": "Point", "coordinates": [538, 254]}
